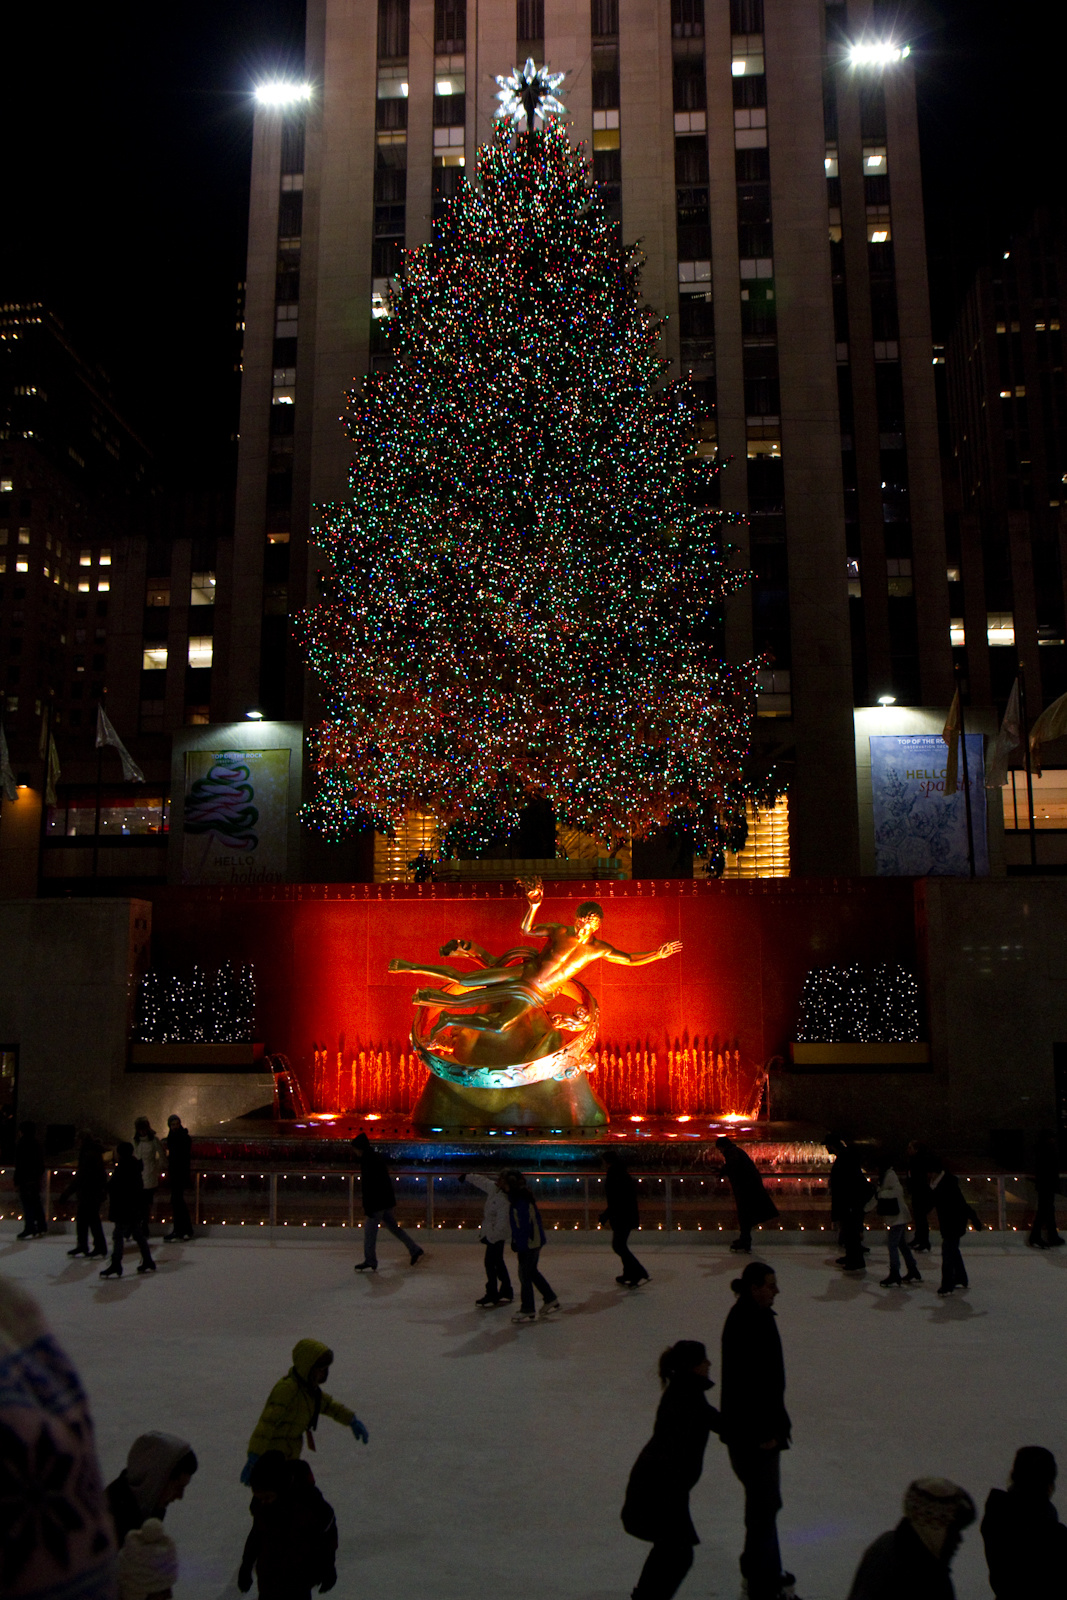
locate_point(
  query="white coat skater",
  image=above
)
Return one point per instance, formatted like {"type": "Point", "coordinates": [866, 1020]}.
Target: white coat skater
{"type": "Point", "coordinates": [496, 1231]}
{"type": "Point", "coordinates": [890, 1202]}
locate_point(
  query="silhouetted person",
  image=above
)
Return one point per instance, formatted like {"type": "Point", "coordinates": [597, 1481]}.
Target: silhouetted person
{"type": "Point", "coordinates": [913, 1560]}
{"type": "Point", "coordinates": [1046, 1182]}
{"type": "Point", "coordinates": [29, 1175]}
{"type": "Point", "coordinates": [379, 1200]}
{"type": "Point", "coordinates": [179, 1145]}
{"type": "Point", "coordinates": [295, 1405]}
{"type": "Point", "coordinates": [1025, 1541]}
{"type": "Point", "coordinates": [126, 1211]}
{"type": "Point", "coordinates": [89, 1183]}
{"type": "Point", "coordinates": [622, 1216]}
{"type": "Point", "coordinates": [152, 1155]}
{"type": "Point", "coordinates": [849, 1193]}
{"type": "Point", "coordinates": [919, 1189]}
{"type": "Point", "coordinates": [496, 1232]}
{"type": "Point", "coordinates": [755, 1425]}
{"type": "Point", "coordinates": [657, 1495]}
{"type": "Point", "coordinates": [158, 1471]}
{"type": "Point", "coordinates": [953, 1215]}
{"type": "Point", "coordinates": [527, 1241]}
{"type": "Point", "coordinates": [292, 1544]}
{"type": "Point", "coordinates": [754, 1204]}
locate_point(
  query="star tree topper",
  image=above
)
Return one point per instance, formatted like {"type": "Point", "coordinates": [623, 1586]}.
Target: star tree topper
{"type": "Point", "coordinates": [530, 92]}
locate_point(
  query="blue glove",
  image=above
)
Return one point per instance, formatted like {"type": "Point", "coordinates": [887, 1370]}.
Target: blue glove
{"type": "Point", "coordinates": [246, 1470]}
{"type": "Point", "coordinates": [359, 1430]}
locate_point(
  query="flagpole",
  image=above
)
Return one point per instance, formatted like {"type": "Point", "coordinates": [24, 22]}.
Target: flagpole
{"type": "Point", "coordinates": [99, 767]}
{"type": "Point", "coordinates": [1029, 765]}
{"type": "Point", "coordinates": [966, 781]}
{"type": "Point", "coordinates": [44, 791]}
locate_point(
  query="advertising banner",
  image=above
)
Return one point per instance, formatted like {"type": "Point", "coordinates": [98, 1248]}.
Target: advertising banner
{"type": "Point", "coordinates": [919, 831]}
{"type": "Point", "coordinates": [236, 816]}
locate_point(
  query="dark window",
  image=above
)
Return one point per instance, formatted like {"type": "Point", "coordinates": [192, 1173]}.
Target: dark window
{"type": "Point", "coordinates": [752, 166]}
{"type": "Point", "coordinates": [754, 240]}
{"type": "Point", "coordinates": [690, 85]}
{"type": "Point", "coordinates": [449, 110]}
{"type": "Point", "coordinates": [449, 26]}
{"type": "Point", "coordinates": [876, 191]}
{"type": "Point", "coordinates": [687, 19]}
{"type": "Point", "coordinates": [287, 285]}
{"type": "Point", "coordinates": [604, 18]}
{"type": "Point", "coordinates": [690, 162]}
{"type": "Point", "coordinates": [696, 316]}
{"type": "Point", "coordinates": [694, 239]}
{"type": "Point", "coordinates": [606, 82]}
{"type": "Point", "coordinates": [530, 21]}
{"type": "Point", "coordinates": [754, 202]}
{"type": "Point", "coordinates": [746, 16]}
{"type": "Point", "coordinates": [390, 185]}
{"type": "Point", "coordinates": [392, 29]}
{"type": "Point", "coordinates": [446, 182]}
{"type": "Point", "coordinates": [388, 224]}
{"type": "Point", "coordinates": [387, 255]}
{"type": "Point", "coordinates": [749, 91]}
{"type": "Point", "coordinates": [293, 144]}
{"type": "Point", "coordinates": [291, 206]}
{"type": "Point", "coordinates": [872, 111]}
{"type": "Point", "coordinates": [391, 114]}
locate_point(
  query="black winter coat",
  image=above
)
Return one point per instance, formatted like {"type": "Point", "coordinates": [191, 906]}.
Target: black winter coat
{"type": "Point", "coordinates": [89, 1182]}
{"type": "Point", "coordinates": [753, 1378]}
{"type": "Point", "coordinates": [953, 1212]}
{"type": "Point", "coordinates": [1047, 1167]}
{"type": "Point", "coordinates": [898, 1566]}
{"type": "Point", "coordinates": [621, 1190]}
{"type": "Point", "coordinates": [753, 1202]}
{"type": "Point", "coordinates": [293, 1542]}
{"type": "Point", "coordinates": [375, 1185]}
{"type": "Point", "coordinates": [29, 1163]}
{"type": "Point", "coordinates": [1025, 1547]}
{"type": "Point", "coordinates": [850, 1188]}
{"type": "Point", "coordinates": [657, 1495]}
{"type": "Point", "coordinates": [179, 1145]}
{"type": "Point", "coordinates": [126, 1191]}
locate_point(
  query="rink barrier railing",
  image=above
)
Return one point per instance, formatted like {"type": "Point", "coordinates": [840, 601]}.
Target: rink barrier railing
{"type": "Point", "coordinates": [679, 1201]}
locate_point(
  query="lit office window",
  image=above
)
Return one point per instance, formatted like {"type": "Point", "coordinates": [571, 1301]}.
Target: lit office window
{"type": "Point", "coordinates": [154, 658]}
{"type": "Point", "coordinates": [200, 650]}
{"type": "Point", "coordinates": [202, 589]}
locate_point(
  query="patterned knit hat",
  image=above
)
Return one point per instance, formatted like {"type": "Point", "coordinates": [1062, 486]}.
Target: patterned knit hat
{"type": "Point", "coordinates": [938, 1503]}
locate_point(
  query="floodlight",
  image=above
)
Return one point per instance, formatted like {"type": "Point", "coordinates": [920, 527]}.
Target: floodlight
{"type": "Point", "coordinates": [254, 714]}
{"type": "Point", "coordinates": [279, 93]}
{"type": "Point", "coordinates": [877, 53]}
{"type": "Point", "coordinates": [887, 699]}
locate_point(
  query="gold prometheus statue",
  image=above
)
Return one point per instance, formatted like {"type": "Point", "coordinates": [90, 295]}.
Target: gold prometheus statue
{"type": "Point", "coordinates": [501, 1032]}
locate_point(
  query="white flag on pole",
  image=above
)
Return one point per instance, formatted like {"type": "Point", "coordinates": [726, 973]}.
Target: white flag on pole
{"type": "Point", "coordinates": [7, 777]}
{"type": "Point", "coordinates": [51, 776]}
{"type": "Point", "coordinates": [105, 734]}
{"type": "Point", "coordinates": [1008, 740]}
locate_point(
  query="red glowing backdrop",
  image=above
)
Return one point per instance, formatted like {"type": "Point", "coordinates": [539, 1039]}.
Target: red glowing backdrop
{"type": "Point", "coordinates": [688, 1034]}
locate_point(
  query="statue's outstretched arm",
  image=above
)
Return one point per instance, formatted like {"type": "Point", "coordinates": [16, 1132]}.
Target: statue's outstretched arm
{"type": "Point", "coordinates": [641, 958]}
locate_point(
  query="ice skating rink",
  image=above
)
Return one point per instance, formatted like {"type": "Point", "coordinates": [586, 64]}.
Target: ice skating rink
{"type": "Point", "coordinates": [498, 1455]}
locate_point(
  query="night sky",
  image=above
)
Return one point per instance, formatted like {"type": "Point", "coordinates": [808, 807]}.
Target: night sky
{"type": "Point", "coordinates": [127, 138]}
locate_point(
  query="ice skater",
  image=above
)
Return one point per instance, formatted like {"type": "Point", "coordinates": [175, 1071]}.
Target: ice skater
{"type": "Point", "coordinates": [295, 1405]}
{"type": "Point", "coordinates": [29, 1175]}
{"type": "Point", "coordinates": [378, 1198]}
{"type": "Point", "coordinates": [152, 1155]}
{"type": "Point", "coordinates": [914, 1559]}
{"type": "Point", "coordinates": [1044, 1235]}
{"type": "Point", "coordinates": [953, 1216]}
{"type": "Point", "coordinates": [755, 1425]}
{"type": "Point", "coordinates": [89, 1183]}
{"type": "Point", "coordinates": [179, 1177]}
{"type": "Point", "coordinates": [1025, 1541]}
{"type": "Point", "coordinates": [754, 1204]}
{"type": "Point", "coordinates": [292, 1544]}
{"type": "Point", "coordinates": [921, 1199]}
{"type": "Point", "coordinates": [126, 1212]}
{"type": "Point", "coordinates": [527, 1241]}
{"type": "Point", "coordinates": [890, 1204]}
{"type": "Point", "coordinates": [496, 1230]}
{"type": "Point", "coordinates": [849, 1192]}
{"type": "Point", "coordinates": [657, 1494]}
{"type": "Point", "coordinates": [158, 1470]}
{"type": "Point", "coordinates": [622, 1217]}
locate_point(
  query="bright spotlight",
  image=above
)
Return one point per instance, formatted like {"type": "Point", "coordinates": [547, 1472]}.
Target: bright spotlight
{"type": "Point", "coordinates": [254, 714]}
{"type": "Point", "coordinates": [887, 699]}
{"type": "Point", "coordinates": [877, 53]}
{"type": "Point", "coordinates": [282, 94]}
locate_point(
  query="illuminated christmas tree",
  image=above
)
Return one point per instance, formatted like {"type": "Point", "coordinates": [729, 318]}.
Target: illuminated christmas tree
{"type": "Point", "coordinates": [526, 579]}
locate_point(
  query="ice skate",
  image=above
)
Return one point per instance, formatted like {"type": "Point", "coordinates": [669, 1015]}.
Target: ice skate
{"type": "Point", "coordinates": [550, 1308]}
{"type": "Point", "coordinates": [365, 1266]}
{"type": "Point", "coordinates": [894, 1281]}
{"type": "Point", "coordinates": [416, 1258]}
{"type": "Point", "coordinates": [146, 1266]}
{"type": "Point", "coordinates": [525, 1316]}
{"type": "Point", "coordinates": [112, 1272]}
{"type": "Point", "coordinates": [77, 1252]}
{"type": "Point", "coordinates": [914, 1277]}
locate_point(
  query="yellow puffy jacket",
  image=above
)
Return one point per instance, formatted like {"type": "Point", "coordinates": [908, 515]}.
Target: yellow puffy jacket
{"type": "Point", "coordinates": [295, 1404]}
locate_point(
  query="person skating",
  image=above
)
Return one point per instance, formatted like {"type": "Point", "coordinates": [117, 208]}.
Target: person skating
{"type": "Point", "coordinates": [1025, 1541]}
{"type": "Point", "coordinates": [292, 1544]}
{"type": "Point", "coordinates": [657, 1495]}
{"type": "Point", "coordinates": [890, 1204]}
{"type": "Point", "coordinates": [919, 1191]}
{"type": "Point", "coordinates": [89, 1183]}
{"type": "Point", "coordinates": [953, 1216]}
{"type": "Point", "coordinates": [527, 1241]}
{"type": "Point", "coordinates": [158, 1470]}
{"type": "Point", "coordinates": [850, 1190]}
{"type": "Point", "coordinates": [754, 1204]}
{"type": "Point", "coordinates": [378, 1198]}
{"type": "Point", "coordinates": [152, 1155]}
{"type": "Point", "coordinates": [29, 1174]}
{"type": "Point", "coordinates": [622, 1216]}
{"type": "Point", "coordinates": [126, 1211]}
{"type": "Point", "coordinates": [1044, 1234]}
{"type": "Point", "coordinates": [179, 1145]}
{"type": "Point", "coordinates": [913, 1560]}
{"type": "Point", "coordinates": [755, 1425]}
{"type": "Point", "coordinates": [496, 1231]}
{"type": "Point", "coordinates": [295, 1405]}
{"type": "Point", "coordinates": [147, 1567]}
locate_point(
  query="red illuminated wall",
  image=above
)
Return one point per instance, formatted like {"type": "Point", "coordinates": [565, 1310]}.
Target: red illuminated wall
{"type": "Point", "coordinates": [326, 999]}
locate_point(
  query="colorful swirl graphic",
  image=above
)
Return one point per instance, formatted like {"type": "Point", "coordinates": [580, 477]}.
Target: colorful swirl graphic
{"type": "Point", "coordinates": [220, 804]}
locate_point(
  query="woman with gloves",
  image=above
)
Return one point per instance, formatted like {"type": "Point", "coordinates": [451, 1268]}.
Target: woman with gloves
{"type": "Point", "coordinates": [496, 1229]}
{"type": "Point", "coordinates": [152, 1154]}
{"type": "Point", "coordinates": [890, 1203]}
{"type": "Point", "coordinates": [294, 1406]}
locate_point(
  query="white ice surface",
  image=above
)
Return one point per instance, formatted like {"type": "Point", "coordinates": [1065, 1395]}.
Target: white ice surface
{"type": "Point", "coordinates": [498, 1455]}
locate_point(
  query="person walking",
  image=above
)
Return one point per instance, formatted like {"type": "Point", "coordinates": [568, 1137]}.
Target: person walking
{"type": "Point", "coordinates": [29, 1174]}
{"type": "Point", "coordinates": [1046, 1182]}
{"type": "Point", "coordinates": [622, 1217]}
{"type": "Point", "coordinates": [89, 1183]}
{"type": "Point", "coordinates": [754, 1204]}
{"type": "Point", "coordinates": [496, 1230]}
{"type": "Point", "coordinates": [656, 1508]}
{"type": "Point", "coordinates": [378, 1197]}
{"type": "Point", "coordinates": [527, 1241]}
{"type": "Point", "coordinates": [755, 1425]}
{"type": "Point", "coordinates": [126, 1211]}
{"type": "Point", "coordinates": [921, 1199]}
{"type": "Point", "coordinates": [179, 1145]}
{"type": "Point", "coordinates": [292, 1544]}
{"type": "Point", "coordinates": [953, 1216]}
{"type": "Point", "coordinates": [1025, 1541]}
{"type": "Point", "coordinates": [890, 1204]}
{"type": "Point", "coordinates": [152, 1155]}
{"type": "Point", "coordinates": [295, 1405]}
{"type": "Point", "coordinates": [158, 1470]}
{"type": "Point", "coordinates": [849, 1193]}
{"type": "Point", "coordinates": [913, 1560]}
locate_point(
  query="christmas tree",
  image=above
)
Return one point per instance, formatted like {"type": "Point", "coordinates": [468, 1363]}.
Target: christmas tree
{"type": "Point", "coordinates": [526, 579]}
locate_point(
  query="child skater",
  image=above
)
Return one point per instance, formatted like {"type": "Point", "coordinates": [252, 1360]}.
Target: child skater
{"type": "Point", "coordinates": [294, 1406]}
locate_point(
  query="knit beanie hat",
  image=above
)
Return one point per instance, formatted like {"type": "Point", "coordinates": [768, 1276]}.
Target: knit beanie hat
{"type": "Point", "coordinates": [148, 1562]}
{"type": "Point", "coordinates": [937, 1503]}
